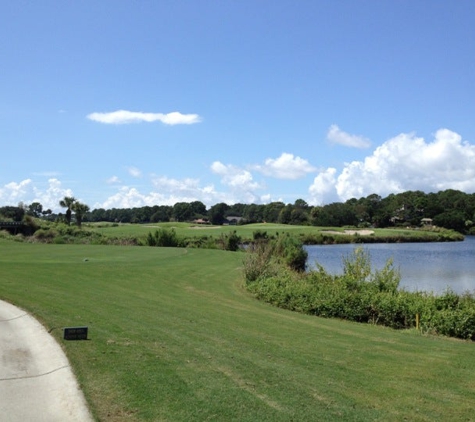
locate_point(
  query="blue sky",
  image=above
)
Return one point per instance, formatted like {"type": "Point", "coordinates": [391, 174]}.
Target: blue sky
{"type": "Point", "coordinates": [131, 103]}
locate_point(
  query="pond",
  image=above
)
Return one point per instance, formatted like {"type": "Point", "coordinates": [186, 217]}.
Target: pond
{"type": "Point", "coordinates": [431, 266]}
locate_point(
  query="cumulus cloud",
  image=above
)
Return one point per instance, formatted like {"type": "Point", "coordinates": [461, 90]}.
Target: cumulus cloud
{"type": "Point", "coordinates": [287, 166]}
{"type": "Point", "coordinates": [337, 136]}
{"type": "Point", "coordinates": [166, 191]}
{"type": "Point", "coordinates": [234, 176]}
{"type": "Point", "coordinates": [126, 198]}
{"type": "Point", "coordinates": [239, 187]}
{"type": "Point", "coordinates": [239, 180]}
{"type": "Point", "coordinates": [13, 192]}
{"type": "Point", "coordinates": [405, 162]}
{"type": "Point", "coordinates": [27, 192]}
{"type": "Point", "coordinates": [187, 187]}
{"type": "Point", "coordinates": [125, 117]}
{"type": "Point", "coordinates": [50, 197]}
{"type": "Point", "coordinates": [323, 187]}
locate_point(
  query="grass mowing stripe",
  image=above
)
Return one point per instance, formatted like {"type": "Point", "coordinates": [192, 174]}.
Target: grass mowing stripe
{"type": "Point", "coordinates": [175, 337]}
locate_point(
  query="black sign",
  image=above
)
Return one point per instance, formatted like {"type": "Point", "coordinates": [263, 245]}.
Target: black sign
{"type": "Point", "coordinates": [75, 333]}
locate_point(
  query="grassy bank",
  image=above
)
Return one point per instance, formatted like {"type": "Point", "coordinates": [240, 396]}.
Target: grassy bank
{"type": "Point", "coordinates": [175, 337]}
{"type": "Point", "coordinates": [360, 294]}
{"type": "Point", "coordinates": [308, 234]}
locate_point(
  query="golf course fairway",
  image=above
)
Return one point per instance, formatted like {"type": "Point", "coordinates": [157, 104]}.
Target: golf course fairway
{"type": "Point", "coordinates": [174, 336]}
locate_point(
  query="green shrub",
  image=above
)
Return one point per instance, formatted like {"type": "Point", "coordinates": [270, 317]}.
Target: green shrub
{"type": "Point", "coordinates": [229, 242]}
{"type": "Point", "coordinates": [259, 235]}
{"type": "Point", "coordinates": [45, 234]}
{"type": "Point", "coordinates": [258, 262]}
{"type": "Point", "coordinates": [163, 237]}
{"type": "Point", "coordinates": [291, 251]}
{"type": "Point", "coordinates": [4, 234]}
{"type": "Point", "coordinates": [59, 240]}
{"type": "Point", "coordinates": [360, 294]}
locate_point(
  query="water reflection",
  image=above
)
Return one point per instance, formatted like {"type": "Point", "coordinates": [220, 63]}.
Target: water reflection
{"type": "Point", "coordinates": [423, 266]}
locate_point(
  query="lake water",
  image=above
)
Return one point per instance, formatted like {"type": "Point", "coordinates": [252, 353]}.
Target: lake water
{"type": "Point", "coordinates": [424, 266]}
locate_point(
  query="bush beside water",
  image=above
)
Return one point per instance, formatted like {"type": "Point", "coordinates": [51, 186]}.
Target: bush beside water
{"type": "Point", "coordinates": [433, 235]}
{"type": "Point", "coordinates": [168, 238]}
{"type": "Point", "coordinates": [360, 294]}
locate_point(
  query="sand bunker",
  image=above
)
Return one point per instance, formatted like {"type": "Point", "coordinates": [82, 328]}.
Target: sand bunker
{"type": "Point", "coordinates": [351, 232]}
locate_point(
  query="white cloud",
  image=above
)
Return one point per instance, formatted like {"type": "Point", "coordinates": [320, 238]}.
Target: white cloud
{"type": "Point", "coordinates": [26, 192]}
{"type": "Point", "coordinates": [240, 181]}
{"type": "Point", "coordinates": [112, 180]}
{"type": "Point", "coordinates": [125, 117]}
{"type": "Point", "coordinates": [235, 177]}
{"type": "Point", "coordinates": [164, 191]}
{"type": "Point", "coordinates": [134, 172]}
{"type": "Point", "coordinates": [186, 187]}
{"type": "Point", "coordinates": [337, 136]}
{"type": "Point", "coordinates": [403, 163]}
{"type": "Point", "coordinates": [125, 198]}
{"type": "Point", "coordinates": [50, 197]}
{"type": "Point", "coordinates": [13, 193]}
{"type": "Point", "coordinates": [167, 192]}
{"type": "Point", "coordinates": [287, 166]}
{"type": "Point", "coordinates": [323, 188]}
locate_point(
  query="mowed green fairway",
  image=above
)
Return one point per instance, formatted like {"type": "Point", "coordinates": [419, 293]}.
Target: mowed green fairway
{"type": "Point", "coordinates": [245, 231]}
{"type": "Point", "coordinates": [175, 337]}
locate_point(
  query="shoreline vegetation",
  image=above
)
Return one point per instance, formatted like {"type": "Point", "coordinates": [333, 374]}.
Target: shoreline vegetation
{"type": "Point", "coordinates": [274, 272]}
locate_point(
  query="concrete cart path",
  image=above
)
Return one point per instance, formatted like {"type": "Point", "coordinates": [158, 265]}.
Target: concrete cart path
{"type": "Point", "coordinates": [36, 381]}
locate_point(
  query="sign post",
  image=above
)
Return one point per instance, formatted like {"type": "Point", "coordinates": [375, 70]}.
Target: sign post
{"type": "Point", "coordinates": [75, 333]}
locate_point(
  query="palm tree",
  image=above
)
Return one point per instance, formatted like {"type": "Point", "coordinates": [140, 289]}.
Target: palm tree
{"type": "Point", "coordinates": [80, 209]}
{"type": "Point", "coordinates": [68, 202]}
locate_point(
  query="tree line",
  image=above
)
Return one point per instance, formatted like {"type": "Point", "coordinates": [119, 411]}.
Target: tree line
{"type": "Point", "coordinates": [450, 209]}
{"type": "Point", "coordinates": [35, 209]}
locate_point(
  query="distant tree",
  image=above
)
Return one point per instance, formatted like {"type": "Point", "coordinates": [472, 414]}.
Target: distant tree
{"type": "Point", "coordinates": [272, 211]}
{"type": "Point", "coordinates": [182, 211]}
{"type": "Point", "coordinates": [237, 210]}
{"type": "Point", "coordinates": [334, 214]}
{"type": "Point", "coordinates": [12, 213]}
{"type": "Point", "coordinates": [67, 202]}
{"type": "Point", "coordinates": [198, 208]}
{"type": "Point", "coordinates": [47, 212]}
{"type": "Point", "coordinates": [35, 209]}
{"type": "Point", "coordinates": [79, 209]}
{"type": "Point", "coordinates": [98, 214]}
{"type": "Point", "coordinates": [365, 208]}
{"type": "Point", "coordinates": [140, 214]}
{"type": "Point", "coordinates": [162, 213]}
{"type": "Point", "coordinates": [285, 214]}
{"type": "Point", "coordinates": [298, 216]}
{"type": "Point", "coordinates": [217, 213]}
{"type": "Point", "coordinates": [452, 219]}
{"type": "Point", "coordinates": [253, 213]}
{"type": "Point", "coordinates": [300, 203]}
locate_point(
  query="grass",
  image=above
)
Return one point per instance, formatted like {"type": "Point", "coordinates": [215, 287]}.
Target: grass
{"type": "Point", "coordinates": [191, 230]}
{"type": "Point", "coordinates": [175, 337]}
{"type": "Point", "coordinates": [246, 231]}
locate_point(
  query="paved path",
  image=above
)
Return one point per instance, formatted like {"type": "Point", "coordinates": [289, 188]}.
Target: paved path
{"type": "Point", "coordinates": [36, 381]}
